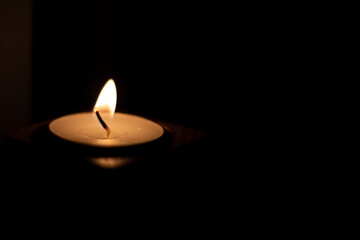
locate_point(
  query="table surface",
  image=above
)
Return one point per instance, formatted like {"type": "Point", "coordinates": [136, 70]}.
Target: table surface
{"type": "Point", "coordinates": [184, 163]}
{"type": "Point", "coordinates": [34, 150]}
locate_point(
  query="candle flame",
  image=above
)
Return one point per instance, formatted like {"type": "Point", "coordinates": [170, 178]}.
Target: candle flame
{"type": "Point", "coordinates": [106, 102]}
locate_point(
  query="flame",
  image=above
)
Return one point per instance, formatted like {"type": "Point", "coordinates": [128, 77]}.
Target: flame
{"type": "Point", "coordinates": [106, 102]}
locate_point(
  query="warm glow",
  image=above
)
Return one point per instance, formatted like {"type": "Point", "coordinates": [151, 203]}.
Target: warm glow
{"type": "Point", "coordinates": [106, 102]}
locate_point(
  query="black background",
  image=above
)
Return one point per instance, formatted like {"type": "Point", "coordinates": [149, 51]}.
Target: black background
{"type": "Point", "coordinates": [168, 61]}
{"type": "Point", "coordinates": [199, 65]}
{"type": "Point", "coordinates": [214, 68]}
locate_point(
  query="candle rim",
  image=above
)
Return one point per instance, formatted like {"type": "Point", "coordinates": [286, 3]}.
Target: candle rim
{"type": "Point", "coordinates": [157, 133]}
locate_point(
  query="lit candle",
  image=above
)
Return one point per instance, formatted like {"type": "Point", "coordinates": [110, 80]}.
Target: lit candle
{"type": "Point", "coordinates": [104, 127]}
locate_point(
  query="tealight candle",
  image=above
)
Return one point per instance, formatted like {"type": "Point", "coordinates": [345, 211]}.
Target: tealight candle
{"type": "Point", "coordinates": [104, 127]}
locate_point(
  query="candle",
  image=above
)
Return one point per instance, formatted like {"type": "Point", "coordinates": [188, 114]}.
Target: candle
{"type": "Point", "coordinates": [103, 127]}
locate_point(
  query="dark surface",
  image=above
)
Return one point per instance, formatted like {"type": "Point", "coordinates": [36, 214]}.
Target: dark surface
{"type": "Point", "coordinates": [180, 155]}
{"type": "Point", "coordinates": [181, 174]}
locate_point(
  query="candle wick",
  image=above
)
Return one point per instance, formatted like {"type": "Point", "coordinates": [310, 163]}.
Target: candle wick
{"type": "Point", "coordinates": [108, 131]}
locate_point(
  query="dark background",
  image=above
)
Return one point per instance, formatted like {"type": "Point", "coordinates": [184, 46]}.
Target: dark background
{"type": "Point", "coordinates": [218, 68]}
{"type": "Point", "coordinates": [213, 68]}
{"type": "Point", "coordinates": [167, 60]}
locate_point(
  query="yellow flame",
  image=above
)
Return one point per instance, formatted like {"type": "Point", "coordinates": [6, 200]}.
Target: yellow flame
{"type": "Point", "coordinates": [106, 102]}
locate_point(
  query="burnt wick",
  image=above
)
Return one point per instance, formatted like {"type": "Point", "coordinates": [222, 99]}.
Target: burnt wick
{"type": "Point", "coordinates": [108, 131]}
